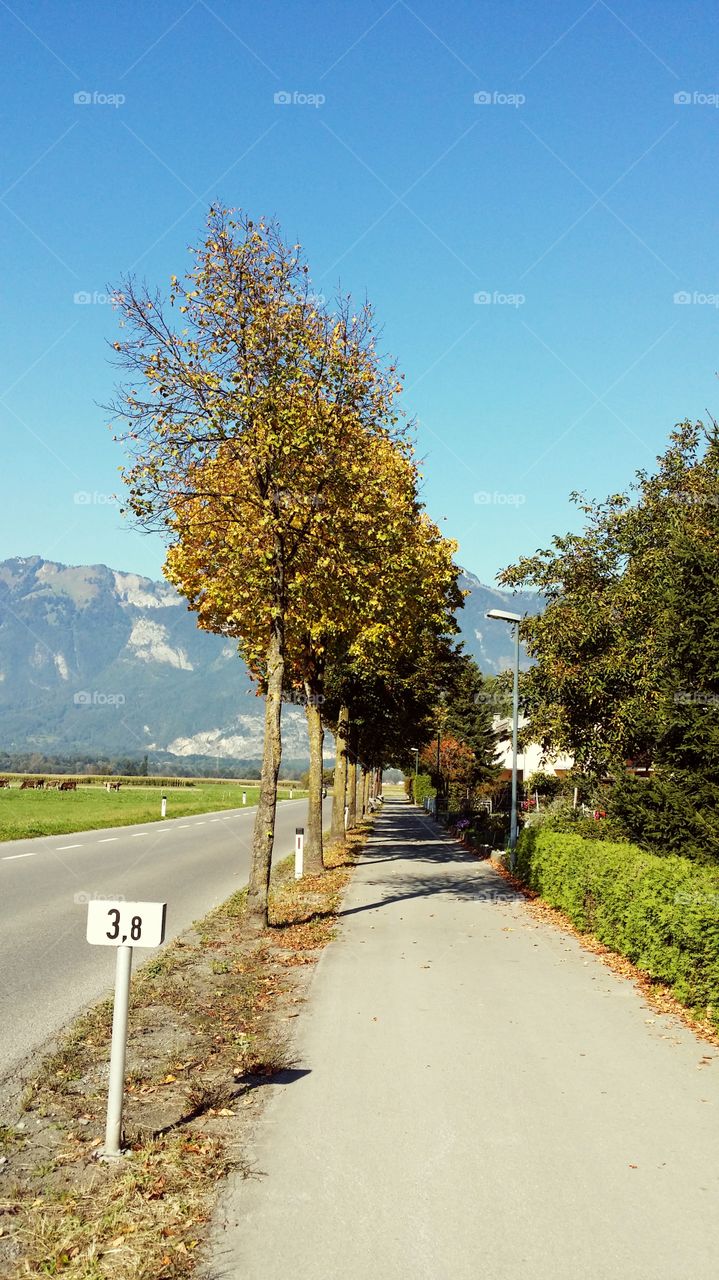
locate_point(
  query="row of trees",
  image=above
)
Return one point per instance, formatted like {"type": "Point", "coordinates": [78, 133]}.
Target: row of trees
{"type": "Point", "coordinates": [627, 649]}
{"type": "Point", "coordinates": [267, 447]}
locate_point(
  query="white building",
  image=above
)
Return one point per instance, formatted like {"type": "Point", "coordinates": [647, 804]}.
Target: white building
{"type": "Point", "coordinates": [530, 760]}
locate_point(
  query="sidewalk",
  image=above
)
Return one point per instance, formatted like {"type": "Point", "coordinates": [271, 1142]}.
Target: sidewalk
{"type": "Point", "coordinates": [483, 1098]}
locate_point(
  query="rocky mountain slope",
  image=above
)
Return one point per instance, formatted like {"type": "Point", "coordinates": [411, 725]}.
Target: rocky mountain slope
{"type": "Point", "coordinates": [96, 659]}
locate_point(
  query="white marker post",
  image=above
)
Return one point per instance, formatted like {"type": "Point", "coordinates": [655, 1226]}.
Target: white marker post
{"type": "Point", "coordinates": [244, 797]}
{"type": "Point", "coordinates": [347, 814]}
{"type": "Point", "coordinates": [291, 793]}
{"type": "Point", "coordinates": [163, 807]}
{"type": "Point", "coordinates": [299, 852]}
{"type": "Point", "coordinates": [123, 925]}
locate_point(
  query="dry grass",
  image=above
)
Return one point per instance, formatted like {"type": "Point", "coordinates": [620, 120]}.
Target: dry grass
{"type": "Point", "coordinates": [208, 1029]}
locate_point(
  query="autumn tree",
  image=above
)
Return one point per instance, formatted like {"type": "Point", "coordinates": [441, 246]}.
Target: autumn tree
{"type": "Point", "coordinates": [417, 597]}
{"type": "Point", "coordinates": [240, 417]}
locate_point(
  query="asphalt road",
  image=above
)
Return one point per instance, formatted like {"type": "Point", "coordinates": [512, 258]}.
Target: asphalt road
{"type": "Point", "coordinates": [48, 972]}
{"type": "Point", "coordinates": [475, 1095]}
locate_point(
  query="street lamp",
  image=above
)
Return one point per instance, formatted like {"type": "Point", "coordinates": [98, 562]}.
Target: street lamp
{"type": "Point", "coordinates": [501, 615]}
{"type": "Point", "coordinates": [416, 759]}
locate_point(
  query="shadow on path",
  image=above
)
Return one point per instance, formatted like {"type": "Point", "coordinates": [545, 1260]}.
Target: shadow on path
{"type": "Point", "coordinates": [442, 866]}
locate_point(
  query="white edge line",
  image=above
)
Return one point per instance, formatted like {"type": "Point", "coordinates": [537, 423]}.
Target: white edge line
{"type": "Point", "coordinates": [12, 856]}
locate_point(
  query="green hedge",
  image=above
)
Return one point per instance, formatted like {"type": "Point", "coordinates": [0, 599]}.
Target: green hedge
{"type": "Point", "coordinates": [660, 912]}
{"type": "Point", "coordinates": [422, 788]}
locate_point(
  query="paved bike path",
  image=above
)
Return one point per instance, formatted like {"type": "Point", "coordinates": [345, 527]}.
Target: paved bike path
{"type": "Point", "coordinates": [482, 1098]}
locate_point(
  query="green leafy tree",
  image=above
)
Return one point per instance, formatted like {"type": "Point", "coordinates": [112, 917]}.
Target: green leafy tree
{"type": "Point", "coordinates": [627, 649]}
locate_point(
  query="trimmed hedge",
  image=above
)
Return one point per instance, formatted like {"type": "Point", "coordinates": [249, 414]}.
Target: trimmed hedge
{"type": "Point", "coordinates": [422, 788]}
{"type": "Point", "coordinates": [660, 912]}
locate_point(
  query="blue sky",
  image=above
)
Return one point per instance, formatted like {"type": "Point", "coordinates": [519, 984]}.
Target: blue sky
{"type": "Point", "coordinates": [577, 197]}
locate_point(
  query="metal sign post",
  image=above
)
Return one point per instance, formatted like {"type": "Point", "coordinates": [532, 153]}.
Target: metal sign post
{"type": "Point", "coordinates": [123, 925]}
{"type": "Point", "coordinates": [299, 852]}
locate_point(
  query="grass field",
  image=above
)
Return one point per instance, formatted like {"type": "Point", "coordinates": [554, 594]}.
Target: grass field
{"type": "Point", "coordinates": [52, 813]}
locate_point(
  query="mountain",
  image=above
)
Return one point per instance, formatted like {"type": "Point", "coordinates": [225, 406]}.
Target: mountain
{"type": "Point", "coordinates": [491, 643]}
{"type": "Point", "coordinates": [97, 660]}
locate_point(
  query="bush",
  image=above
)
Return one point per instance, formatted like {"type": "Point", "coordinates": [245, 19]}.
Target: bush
{"type": "Point", "coordinates": [491, 829]}
{"type": "Point", "coordinates": [545, 784]}
{"type": "Point", "coordinates": [660, 912]}
{"type": "Point", "coordinates": [422, 788]}
{"type": "Point", "coordinates": [560, 815]}
{"type": "Point", "coordinates": [672, 814]}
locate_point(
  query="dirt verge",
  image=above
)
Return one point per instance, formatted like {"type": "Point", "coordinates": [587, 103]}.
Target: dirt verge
{"type": "Point", "coordinates": [210, 1025]}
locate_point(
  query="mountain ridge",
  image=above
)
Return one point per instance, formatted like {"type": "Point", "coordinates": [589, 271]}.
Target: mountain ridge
{"type": "Point", "coordinates": [110, 660]}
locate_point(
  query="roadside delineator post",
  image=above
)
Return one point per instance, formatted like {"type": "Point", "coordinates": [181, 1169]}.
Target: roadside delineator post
{"type": "Point", "coordinates": [163, 807]}
{"type": "Point", "coordinates": [244, 797]}
{"type": "Point", "coordinates": [347, 815]}
{"type": "Point", "coordinates": [299, 852]}
{"type": "Point", "coordinates": [122, 925]}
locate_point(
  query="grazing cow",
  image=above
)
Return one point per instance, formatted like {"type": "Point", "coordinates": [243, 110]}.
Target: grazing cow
{"type": "Point", "coordinates": [114, 786]}
{"type": "Point", "coordinates": [4, 782]}
{"type": "Point", "coordinates": [69, 784]}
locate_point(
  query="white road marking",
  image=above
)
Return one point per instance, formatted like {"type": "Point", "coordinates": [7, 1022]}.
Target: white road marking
{"type": "Point", "coordinates": [216, 819]}
{"type": "Point", "coordinates": [183, 825]}
{"type": "Point", "coordinates": [12, 856]}
{"type": "Point", "coordinates": [135, 835]}
{"type": "Point", "coordinates": [198, 824]}
{"type": "Point", "coordinates": [60, 847]}
{"type": "Point", "coordinates": [107, 839]}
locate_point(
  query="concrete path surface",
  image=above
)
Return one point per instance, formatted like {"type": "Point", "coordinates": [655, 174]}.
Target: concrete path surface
{"type": "Point", "coordinates": [482, 1098]}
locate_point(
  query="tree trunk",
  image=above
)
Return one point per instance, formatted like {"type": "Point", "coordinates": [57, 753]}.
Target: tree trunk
{"type": "Point", "coordinates": [352, 778]}
{"type": "Point", "coordinates": [338, 801]}
{"type": "Point", "coordinates": [365, 790]}
{"type": "Point", "coordinates": [264, 830]}
{"type": "Point", "coordinates": [313, 835]}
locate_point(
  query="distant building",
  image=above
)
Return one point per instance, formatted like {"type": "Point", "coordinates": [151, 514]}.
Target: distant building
{"type": "Point", "coordinates": [530, 760]}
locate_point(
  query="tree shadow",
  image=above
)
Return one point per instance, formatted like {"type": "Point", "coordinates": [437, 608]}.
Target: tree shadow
{"type": "Point", "coordinates": [246, 1083]}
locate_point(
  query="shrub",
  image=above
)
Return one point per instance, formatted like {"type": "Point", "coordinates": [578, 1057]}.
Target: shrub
{"type": "Point", "coordinates": [660, 912]}
{"type": "Point", "coordinates": [422, 788]}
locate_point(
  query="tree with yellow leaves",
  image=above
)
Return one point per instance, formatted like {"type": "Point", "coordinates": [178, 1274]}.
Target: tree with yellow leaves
{"type": "Point", "coordinates": [246, 423]}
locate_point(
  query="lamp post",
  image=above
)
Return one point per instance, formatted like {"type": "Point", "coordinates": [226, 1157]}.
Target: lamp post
{"type": "Point", "coordinates": [501, 615]}
{"type": "Point", "coordinates": [415, 750]}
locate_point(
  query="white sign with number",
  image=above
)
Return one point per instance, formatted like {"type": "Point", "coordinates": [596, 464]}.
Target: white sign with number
{"type": "Point", "coordinates": [126, 924]}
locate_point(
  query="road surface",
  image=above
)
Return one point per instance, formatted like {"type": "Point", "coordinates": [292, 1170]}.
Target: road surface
{"type": "Point", "coordinates": [48, 972]}
{"type": "Point", "coordinates": [476, 1096]}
